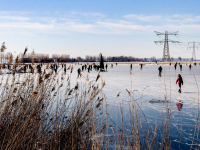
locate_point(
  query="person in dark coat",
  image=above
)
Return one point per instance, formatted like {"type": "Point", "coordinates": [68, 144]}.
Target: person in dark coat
{"type": "Point", "coordinates": [190, 66]}
{"type": "Point", "coordinates": [175, 66]}
{"type": "Point", "coordinates": [181, 67]}
{"type": "Point", "coordinates": [179, 80]}
{"type": "Point", "coordinates": [106, 67]}
{"type": "Point", "coordinates": [131, 66]}
{"type": "Point", "coordinates": [65, 68]}
{"type": "Point", "coordinates": [79, 72]}
{"type": "Point", "coordinates": [160, 70]}
{"type": "Point", "coordinates": [56, 67]}
{"type": "Point", "coordinates": [25, 69]}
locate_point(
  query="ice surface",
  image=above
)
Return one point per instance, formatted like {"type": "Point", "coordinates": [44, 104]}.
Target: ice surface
{"type": "Point", "coordinates": [146, 83]}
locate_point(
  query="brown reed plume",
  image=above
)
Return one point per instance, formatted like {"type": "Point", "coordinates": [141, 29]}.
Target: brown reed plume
{"type": "Point", "coordinates": [10, 59]}
{"type": "Point", "coordinates": [3, 47]}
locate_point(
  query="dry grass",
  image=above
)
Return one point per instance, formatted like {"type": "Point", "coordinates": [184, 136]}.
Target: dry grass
{"type": "Point", "coordinates": [47, 113]}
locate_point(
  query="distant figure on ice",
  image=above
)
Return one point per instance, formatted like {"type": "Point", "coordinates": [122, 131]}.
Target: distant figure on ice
{"type": "Point", "coordinates": [175, 65]}
{"type": "Point", "coordinates": [190, 66]}
{"type": "Point", "coordinates": [140, 66]}
{"type": "Point", "coordinates": [106, 67]}
{"type": "Point", "coordinates": [65, 68]}
{"type": "Point", "coordinates": [79, 72]}
{"type": "Point", "coordinates": [24, 69]}
{"type": "Point", "coordinates": [181, 67]}
{"type": "Point", "coordinates": [131, 66]}
{"type": "Point", "coordinates": [179, 80]}
{"type": "Point", "coordinates": [160, 70]}
{"type": "Point", "coordinates": [55, 68]}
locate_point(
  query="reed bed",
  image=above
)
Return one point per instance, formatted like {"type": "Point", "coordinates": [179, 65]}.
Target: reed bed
{"type": "Point", "coordinates": [43, 111]}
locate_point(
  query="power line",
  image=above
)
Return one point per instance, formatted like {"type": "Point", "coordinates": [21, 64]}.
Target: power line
{"type": "Point", "coordinates": [166, 55]}
{"type": "Point", "coordinates": [181, 50]}
{"type": "Point", "coordinates": [194, 47]}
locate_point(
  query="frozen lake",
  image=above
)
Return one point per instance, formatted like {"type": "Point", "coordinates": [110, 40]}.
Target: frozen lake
{"type": "Point", "coordinates": [147, 83]}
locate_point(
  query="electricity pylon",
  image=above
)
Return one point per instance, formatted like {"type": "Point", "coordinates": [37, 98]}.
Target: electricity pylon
{"type": "Point", "coordinates": [194, 47]}
{"type": "Point", "coordinates": [166, 55]}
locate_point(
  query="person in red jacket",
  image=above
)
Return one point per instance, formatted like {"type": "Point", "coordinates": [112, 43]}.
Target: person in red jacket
{"type": "Point", "coordinates": [179, 80]}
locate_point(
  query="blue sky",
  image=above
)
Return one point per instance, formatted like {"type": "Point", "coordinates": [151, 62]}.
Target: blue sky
{"type": "Point", "coordinates": [88, 27]}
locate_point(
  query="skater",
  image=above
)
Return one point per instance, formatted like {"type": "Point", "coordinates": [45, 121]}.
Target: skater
{"type": "Point", "coordinates": [190, 66]}
{"type": "Point", "coordinates": [141, 66]}
{"type": "Point", "coordinates": [106, 67]}
{"type": "Point", "coordinates": [25, 69]}
{"type": "Point", "coordinates": [160, 70]}
{"type": "Point", "coordinates": [83, 68]}
{"type": "Point", "coordinates": [179, 80]}
{"type": "Point", "coordinates": [181, 67]}
{"type": "Point", "coordinates": [65, 68]}
{"type": "Point", "coordinates": [88, 69]}
{"type": "Point", "coordinates": [131, 66]}
{"type": "Point", "coordinates": [175, 66]}
{"type": "Point", "coordinates": [56, 67]}
{"type": "Point", "coordinates": [79, 72]}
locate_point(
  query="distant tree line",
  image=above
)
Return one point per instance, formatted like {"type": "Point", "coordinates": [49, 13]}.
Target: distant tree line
{"type": "Point", "coordinates": [38, 57]}
{"type": "Point", "coordinates": [46, 58]}
{"type": "Point", "coordinates": [108, 59]}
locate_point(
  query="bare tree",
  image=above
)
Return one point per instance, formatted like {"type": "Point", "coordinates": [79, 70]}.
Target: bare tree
{"type": "Point", "coordinates": [145, 59]}
{"type": "Point", "coordinates": [179, 58]}
{"type": "Point", "coordinates": [153, 58]}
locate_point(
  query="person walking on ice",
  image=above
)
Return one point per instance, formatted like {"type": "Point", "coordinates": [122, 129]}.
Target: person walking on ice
{"type": "Point", "coordinates": [179, 80]}
{"type": "Point", "coordinates": [79, 72]}
{"type": "Point", "coordinates": [160, 70]}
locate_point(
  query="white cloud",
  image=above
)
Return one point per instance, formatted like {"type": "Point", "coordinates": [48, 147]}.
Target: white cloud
{"type": "Point", "coordinates": [26, 25]}
{"type": "Point", "coordinates": [19, 18]}
{"type": "Point", "coordinates": [91, 14]}
{"type": "Point", "coordinates": [92, 22]}
{"type": "Point", "coordinates": [143, 17]}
